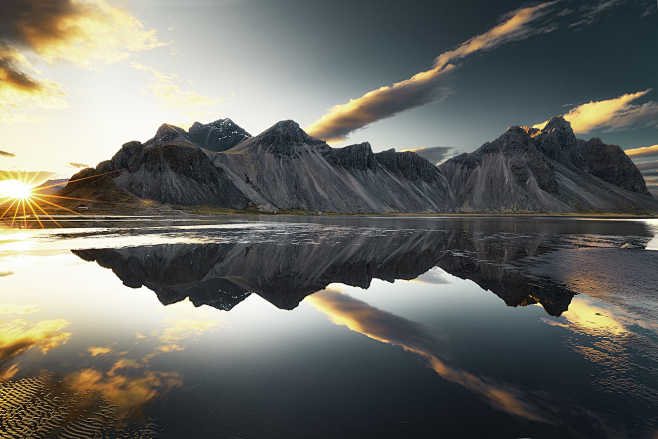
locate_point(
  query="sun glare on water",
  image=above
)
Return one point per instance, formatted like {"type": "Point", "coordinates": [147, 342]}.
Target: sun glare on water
{"type": "Point", "coordinates": [15, 189]}
{"type": "Point", "coordinates": [24, 201]}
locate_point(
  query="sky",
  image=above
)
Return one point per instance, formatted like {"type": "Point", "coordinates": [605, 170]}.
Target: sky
{"type": "Point", "coordinates": [78, 78]}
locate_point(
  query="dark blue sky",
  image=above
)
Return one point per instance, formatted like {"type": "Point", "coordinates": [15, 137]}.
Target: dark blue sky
{"type": "Point", "coordinates": [331, 52]}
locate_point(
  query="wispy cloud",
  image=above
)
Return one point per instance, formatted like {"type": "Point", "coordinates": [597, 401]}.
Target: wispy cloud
{"type": "Point", "coordinates": [424, 87]}
{"type": "Point", "coordinates": [642, 151]}
{"type": "Point", "coordinates": [647, 165]}
{"type": "Point", "coordinates": [591, 12]}
{"type": "Point", "coordinates": [646, 160]}
{"type": "Point", "coordinates": [7, 154]}
{"type": "Point", "coordinates": [169, 92]}
{"type": "Point", "coordinates": [612, 114]}
{"type": "Point", "coordinates": [80, 32]}
{"type": "Point", "coordinates": [78, 165]}
{"type": "Point", "coordinates": [648, 168]}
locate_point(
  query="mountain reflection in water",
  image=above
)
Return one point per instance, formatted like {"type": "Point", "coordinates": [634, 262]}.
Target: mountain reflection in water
{"type": "Point", "coordinates": [286, 271]}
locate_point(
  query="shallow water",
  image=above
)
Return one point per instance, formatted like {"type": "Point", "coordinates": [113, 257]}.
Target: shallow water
{"type": "Point", "coordinates": [246, 327]}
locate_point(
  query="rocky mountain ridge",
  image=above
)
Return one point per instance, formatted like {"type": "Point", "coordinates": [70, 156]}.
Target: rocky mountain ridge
{"type": "Point", "coordinates": [283, 168]}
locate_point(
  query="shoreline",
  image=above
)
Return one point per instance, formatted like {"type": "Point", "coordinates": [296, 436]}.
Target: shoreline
{"type": "Point", "coordinates": [205, 212]}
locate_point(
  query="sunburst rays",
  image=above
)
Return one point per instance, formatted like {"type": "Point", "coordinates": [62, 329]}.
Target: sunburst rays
{"type": "Point", "coordinates": [28, 200]}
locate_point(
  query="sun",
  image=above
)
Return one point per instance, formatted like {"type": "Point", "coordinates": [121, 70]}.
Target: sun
{"type": "Point", "coordinates": [23, 200]}
{"type": "Point", "coordinates": [15, 189]}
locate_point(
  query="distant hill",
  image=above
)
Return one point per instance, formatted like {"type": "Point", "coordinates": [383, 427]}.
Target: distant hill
{"type": "Point", "coordinates": [283, 168]}
{"type": "Point", "coordinates": [52, 186]}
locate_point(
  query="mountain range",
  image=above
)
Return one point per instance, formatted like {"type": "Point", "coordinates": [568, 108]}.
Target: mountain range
{"type": "Point", "coordinates": [284, 169]}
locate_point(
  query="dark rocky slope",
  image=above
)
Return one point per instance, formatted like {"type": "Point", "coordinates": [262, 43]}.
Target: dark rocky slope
{"type": "Point", "coordinates": [547, 170]}
{"type": "Point", "coordinates": [169, 168]}
{"type": "Point", "coordinates": [285, 168]}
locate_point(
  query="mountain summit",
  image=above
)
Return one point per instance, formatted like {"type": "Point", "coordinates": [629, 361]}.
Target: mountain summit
{"type": "Point", "coordinates": [217, 136]}
{"type": "Point", "coordinates": [283, 168]}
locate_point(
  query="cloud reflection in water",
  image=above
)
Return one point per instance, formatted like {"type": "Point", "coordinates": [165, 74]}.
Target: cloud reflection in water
{"type": "Point", "coordinates": [388, 328]}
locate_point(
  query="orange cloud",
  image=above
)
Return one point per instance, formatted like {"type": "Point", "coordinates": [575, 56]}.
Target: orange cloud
{"type": "Point", "coordinates": [170, 348]}
{"type": "Point", "coordinates": [422, 87]}
{"type": "Point", "coordinates": [18, 336]}
{"type": "Point", "coordinates": [9, 373]}
{"type": "Point", "coordinates": [615, 113]}
{"type": "Point", "coordinates": [586, 317]}
{"type": "Point", "coordinates": [95, 351]}
{"type": "Point", "coordinates": [643, 151]}
{"type": "Point", "coordinates": [79, 31]}
{"type": "Point", "coordinates": [19, 86]}
{"type": "Point", "coordinates": [388, 328]}
{"type": "Point", "coordinates": [129, 393]}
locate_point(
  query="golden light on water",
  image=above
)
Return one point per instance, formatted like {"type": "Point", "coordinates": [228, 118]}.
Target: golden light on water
{"type": "Point", "coordinates": [22, 198]}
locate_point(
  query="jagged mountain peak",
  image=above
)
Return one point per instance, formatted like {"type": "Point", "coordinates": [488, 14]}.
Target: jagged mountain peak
{"type": "Point", "coordinates": [223, 123]}
{"type": "Point", "coordinates": [557, 134]}
{"type": "Point", "coordinates": [558, 123]}
{"type": "Point", "coordinates": [286, 132]}
{"type": "Point", "coordinates": [167, 133]}
{"type": "Point", "coordinates": [515, 138]}
{"type": "Point", "coordinates": [219, 135]}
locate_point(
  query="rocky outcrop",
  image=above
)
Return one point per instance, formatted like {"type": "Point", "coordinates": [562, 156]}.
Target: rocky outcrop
{"type": "Point", "coordinates": [548, 170]}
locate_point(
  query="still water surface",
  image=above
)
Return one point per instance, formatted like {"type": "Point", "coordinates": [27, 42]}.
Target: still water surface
{"type": "Point", "coordinates": [330, 327]}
